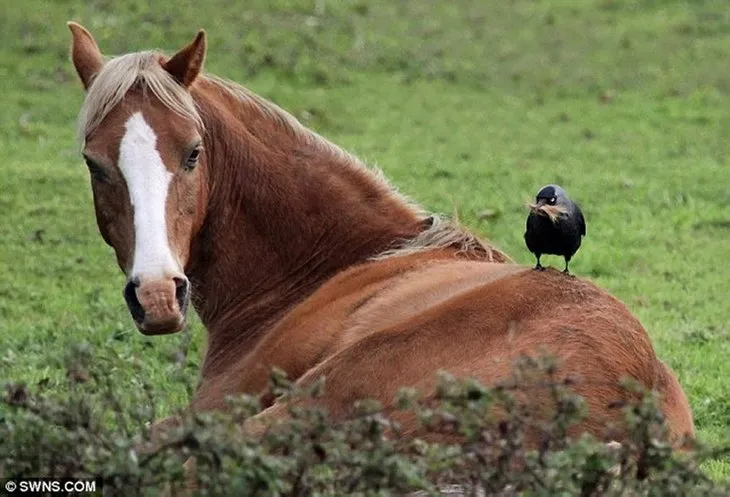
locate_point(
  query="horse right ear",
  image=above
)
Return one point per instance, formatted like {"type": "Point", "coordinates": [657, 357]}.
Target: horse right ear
{"type": "Point", "coordinates": [85, 54]}
{"type": "Point", "coordinates": [185, 65]}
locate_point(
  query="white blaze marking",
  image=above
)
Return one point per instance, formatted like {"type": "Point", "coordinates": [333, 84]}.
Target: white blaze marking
{"type": "Point", "coordinates": [148, 181]}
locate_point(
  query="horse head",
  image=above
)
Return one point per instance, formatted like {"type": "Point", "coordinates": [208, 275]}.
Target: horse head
{"type": "Point", "coordinates": [142, 142]}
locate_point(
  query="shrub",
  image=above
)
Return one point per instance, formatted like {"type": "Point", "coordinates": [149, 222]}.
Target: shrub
{"type": "Point", "coordinates": [87, 432]}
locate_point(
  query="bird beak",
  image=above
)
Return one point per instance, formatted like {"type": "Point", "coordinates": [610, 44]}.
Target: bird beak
{"type": "Point", "coordinates": [538, 207]}
{"type": "Point", "coordinates": [542, 208]}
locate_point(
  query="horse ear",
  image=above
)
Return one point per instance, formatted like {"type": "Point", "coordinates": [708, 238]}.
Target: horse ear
{"type": "Point", "coordinates": [185, 65]}
{"type": "Point", "coordinates": [85, 54]}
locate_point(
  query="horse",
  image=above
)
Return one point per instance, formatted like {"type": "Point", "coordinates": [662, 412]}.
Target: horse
{"type": "Point", "coordinates": [297, 255]}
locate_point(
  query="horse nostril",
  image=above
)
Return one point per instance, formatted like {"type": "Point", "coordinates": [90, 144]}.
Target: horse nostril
{"type": "Point", "coordinates": [182, 291]}
{"type": "Point", "coordinates": [130, 296]}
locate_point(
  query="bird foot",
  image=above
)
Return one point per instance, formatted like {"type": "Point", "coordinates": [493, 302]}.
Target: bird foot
{"type": "Point", "coordinates": [566, 272]}
{"type": "Point", "coordinates": [539, 267]}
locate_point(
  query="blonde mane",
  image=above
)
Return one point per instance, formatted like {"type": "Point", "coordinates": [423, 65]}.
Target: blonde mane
{"type": "Point", "coordinates": [446, 233]}
{"type": "Point", "coordinates": [120, 74]}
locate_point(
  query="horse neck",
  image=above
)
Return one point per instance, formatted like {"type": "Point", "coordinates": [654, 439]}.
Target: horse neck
{"type": "Point", "coordinates": [285, 212]}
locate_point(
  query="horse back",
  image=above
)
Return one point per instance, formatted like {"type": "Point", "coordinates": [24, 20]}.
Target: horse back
{"type": "Point", "coordinates": [397, 323]}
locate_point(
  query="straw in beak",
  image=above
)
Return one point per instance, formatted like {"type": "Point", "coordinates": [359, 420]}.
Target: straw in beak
{"type": "Point", "coordinates": [542, 208]}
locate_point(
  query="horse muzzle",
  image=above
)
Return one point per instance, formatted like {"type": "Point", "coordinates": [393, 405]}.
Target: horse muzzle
{"type": "Point", "coordinates": [158, 306]}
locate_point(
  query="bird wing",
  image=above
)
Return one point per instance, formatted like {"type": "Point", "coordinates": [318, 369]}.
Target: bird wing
{"type": "Point", "coordinates": [531, 229]}
{"type": "Point", "coordinates": [529, 223]}
{"type": "Point", "coordinates": [581, 223]}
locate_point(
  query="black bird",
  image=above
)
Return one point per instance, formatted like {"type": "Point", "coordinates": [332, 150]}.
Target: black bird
{"type": "Point", "coordinates": [555, 225]}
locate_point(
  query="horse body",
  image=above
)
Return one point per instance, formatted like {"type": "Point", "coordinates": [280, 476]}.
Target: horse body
{"type": "Point", "coordinates": [395, 323]}
{"type": "Point", "coordinates": [300, 257]}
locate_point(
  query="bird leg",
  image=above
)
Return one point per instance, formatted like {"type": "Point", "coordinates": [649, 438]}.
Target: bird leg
{"type": "Point", "coordinates": [538, 266]}
{"type": "Point", "coordinates": [566, 271]}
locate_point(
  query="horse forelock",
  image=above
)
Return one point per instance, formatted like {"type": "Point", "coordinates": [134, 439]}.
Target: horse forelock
{"type": "Point", "coordinates": [119, 75]}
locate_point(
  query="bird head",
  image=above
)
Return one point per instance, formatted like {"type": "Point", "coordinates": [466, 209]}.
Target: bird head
{"type": "Point", "coordinates": [551, 201]}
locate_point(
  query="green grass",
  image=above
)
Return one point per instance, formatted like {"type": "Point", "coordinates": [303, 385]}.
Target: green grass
{"type": "Point", "coordinates": [468, 106]}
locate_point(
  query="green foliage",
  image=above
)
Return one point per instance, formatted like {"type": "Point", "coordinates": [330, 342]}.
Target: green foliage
{"type": "Point", "coordinates": [469, 106]}
{"type": "Point", "coordinates": [461, 444]}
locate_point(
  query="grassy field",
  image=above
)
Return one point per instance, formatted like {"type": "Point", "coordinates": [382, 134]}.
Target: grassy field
{"type": "Point", "coordinates": [468, 106]}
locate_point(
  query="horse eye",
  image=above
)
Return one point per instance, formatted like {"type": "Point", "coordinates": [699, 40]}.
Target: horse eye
{"type": "Point", "coordinates": [96, 171]}
{"type": "Point", "coordinates": [192, 160]}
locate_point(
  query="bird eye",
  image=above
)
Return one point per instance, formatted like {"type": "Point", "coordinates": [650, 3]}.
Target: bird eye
{"type": "Point", "coordinates": [192, 159]}
{"type": "Point", "coordinates": [552, 200]}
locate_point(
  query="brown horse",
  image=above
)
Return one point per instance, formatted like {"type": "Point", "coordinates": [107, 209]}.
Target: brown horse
{"type": "Point", "coordinates": [296, 255]}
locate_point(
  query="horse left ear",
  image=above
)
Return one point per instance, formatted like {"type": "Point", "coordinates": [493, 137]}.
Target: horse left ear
{"type": "Point", "coordinates": [85, 54]}
{"type": "Point", "coordinates": [185, 65]}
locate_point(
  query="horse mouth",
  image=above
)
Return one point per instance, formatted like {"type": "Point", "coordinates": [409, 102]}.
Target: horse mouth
{"type": "Point", "coordinates": [161, 327]}
{"type": "Point", "coordinates": [160, 307]}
